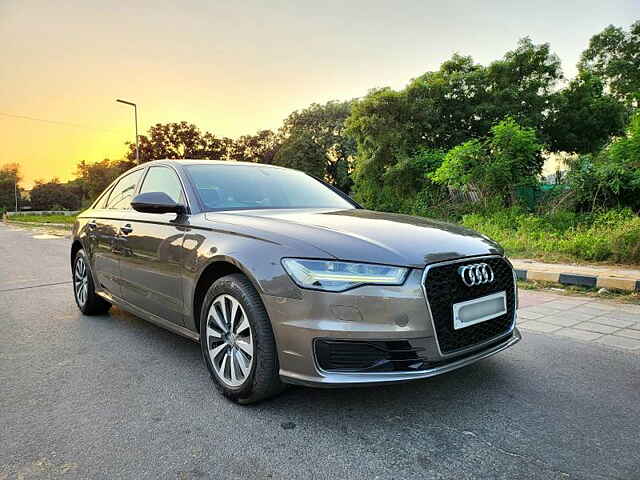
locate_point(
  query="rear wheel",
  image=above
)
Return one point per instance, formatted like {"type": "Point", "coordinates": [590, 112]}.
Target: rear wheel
{"type": "Point", "coordinates": [237, 341]}
{"type": "Point", "coordinates": [84, 292]}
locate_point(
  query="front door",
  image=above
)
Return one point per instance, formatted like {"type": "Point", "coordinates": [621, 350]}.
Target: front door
{"type": "Point", "coordinates": [152, 252]}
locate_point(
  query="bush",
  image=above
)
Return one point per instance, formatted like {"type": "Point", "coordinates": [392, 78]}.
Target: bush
{"type": "Point", "coordinates": [610, 178]}
{"type": "Point", "coordinates": [508, 158]}
{"type": "Point", "coordinates": [53, 195]}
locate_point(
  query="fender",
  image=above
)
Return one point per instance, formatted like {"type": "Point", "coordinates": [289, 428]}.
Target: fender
{"type": "Point", "coordinates": [204, 248]}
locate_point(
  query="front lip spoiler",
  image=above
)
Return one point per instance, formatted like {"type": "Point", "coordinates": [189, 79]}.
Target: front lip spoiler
{"type": "Point", "coordinates": [342, 379]}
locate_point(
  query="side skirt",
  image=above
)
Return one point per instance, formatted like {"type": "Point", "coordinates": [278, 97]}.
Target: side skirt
{"type": "Point", "coordinates": [150, 317]}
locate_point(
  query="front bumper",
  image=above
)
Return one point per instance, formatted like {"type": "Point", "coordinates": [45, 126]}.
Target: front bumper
{"type": "Point", "coordinates": [368, 313]}
{"type": "Point", "coordinates": [344, 379]}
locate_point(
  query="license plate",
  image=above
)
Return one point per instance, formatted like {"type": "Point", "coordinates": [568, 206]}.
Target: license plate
{"type": "Point", "coordinates": [479, 310]}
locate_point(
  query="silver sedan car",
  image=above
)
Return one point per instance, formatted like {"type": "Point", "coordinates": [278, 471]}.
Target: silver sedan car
{"type": "Point", "coordinates": [284, 279]}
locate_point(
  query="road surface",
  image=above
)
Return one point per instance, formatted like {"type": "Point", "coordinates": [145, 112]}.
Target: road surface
{"type": "Point", "coordinates": [116, 397]}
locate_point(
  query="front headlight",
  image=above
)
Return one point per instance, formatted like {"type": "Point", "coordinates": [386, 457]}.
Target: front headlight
{"type": "Point", "coordinates": [340, 276]}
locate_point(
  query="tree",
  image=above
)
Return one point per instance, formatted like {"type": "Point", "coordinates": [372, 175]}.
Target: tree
{"type": "Point", "coordinates": [522, 84]}
{"type": "Point", "coordinates": [582, 117]}
{"type": "Point", "coordinates": [95, 177]}
{"type": "Point", "coordinates": [178, 140]}
{"type": "Point", "coordinates": [407, 187]}
{"type": "Point", "coordinates": [302, 153]}
{"type": "Point", "coordinates": [510, 156]}
{"type": "Point", "coordinates": [378, 124]}
{"type": "Point", "coordinates": [439, 110]}
{"type": "Point", "coordinates": [325, 126]}
{"type": "Point", "coordinates": [463, 99]}
{"type": "Point", "coordinates": [448, 106]}
{"type": "Point", "coordinates": [53, 195]}
{"type": "Point", "coordinates": [614, 55]}
{"type": "Point", "coordinates": [10, 178]}
{"type": "Point", "coordinates": [258, 148]}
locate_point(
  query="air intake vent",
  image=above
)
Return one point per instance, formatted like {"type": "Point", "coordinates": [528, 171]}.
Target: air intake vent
{"type": "Point", "coordinates": [370, 356]}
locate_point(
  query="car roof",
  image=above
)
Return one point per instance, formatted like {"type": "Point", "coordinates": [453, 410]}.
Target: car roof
{"type": "Point", "coordinates": [185, 162]}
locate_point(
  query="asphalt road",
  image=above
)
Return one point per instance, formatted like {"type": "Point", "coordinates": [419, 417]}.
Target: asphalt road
{"type": "Point", "coordinates": [115, 397]}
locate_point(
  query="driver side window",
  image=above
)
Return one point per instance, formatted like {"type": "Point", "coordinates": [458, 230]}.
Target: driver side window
{"type": "Point", "coordinates": [163, 179]}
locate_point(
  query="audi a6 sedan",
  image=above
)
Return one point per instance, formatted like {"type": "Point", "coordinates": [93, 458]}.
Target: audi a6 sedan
{"type": "Point", "coordinates": [284, 279]}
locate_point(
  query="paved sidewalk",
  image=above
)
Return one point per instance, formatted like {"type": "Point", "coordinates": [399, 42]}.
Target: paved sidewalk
{"type": "Point", "coordinates": [600, 276]}
{"type": "Point", "coordinates": [581, 318]}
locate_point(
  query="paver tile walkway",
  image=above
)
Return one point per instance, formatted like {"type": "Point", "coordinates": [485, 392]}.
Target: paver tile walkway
{"type": "Point", "coordinates": [581, 318]}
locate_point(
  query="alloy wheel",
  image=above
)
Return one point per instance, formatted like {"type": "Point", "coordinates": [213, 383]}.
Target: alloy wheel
{"type": "Point", "coordinates": [81, 281]}
{"type": "Point", "coordinates": [229, 340]}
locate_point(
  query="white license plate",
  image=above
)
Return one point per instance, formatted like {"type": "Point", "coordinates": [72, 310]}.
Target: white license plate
{"type": "Point", "coordinates": [479, 310]}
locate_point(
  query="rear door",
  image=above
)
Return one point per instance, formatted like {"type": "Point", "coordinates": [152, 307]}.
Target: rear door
{"type": "Point", "coordinates": [104, 231]}
{"type": "Point", "coordinates": [152, 252]}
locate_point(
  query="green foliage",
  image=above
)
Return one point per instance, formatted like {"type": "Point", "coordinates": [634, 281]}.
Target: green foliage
{"type": "Point", "coordinates": [258, 148]}
{"type": "Point", "coordinates": [443, 109]}
{"type": "Point", "coordinates": [377, 126]}
{"type": "Point", "coordinates": [610, 177]}
{"type": "Point", "coordinates": [53, 195]}
{"type": "Point", "coordinates": [509, 157]}
{"type": "Point", "coordinates": [614, 56]}
{"type": "Point", "coordinates": [324, 125]}
{"type": "Point", "coordinates": [448, 106]}
{"type": "Point", "coordinates": [302, 153]}
{"type": "Point", "coordinates": [521, 84]}
{"type": "Point", "coordinates": [461, 164]}
{"type": "Point", "coordinates": [408, 180]}
{"type": "Point", "coordinates": [178, 140]}
{"type": "Point", "coordinates": [93, 178]}
{"type": "Point", "coordinates": [582, 117]}
{"type": "Point", "coordinates": [9, 178]}
{"type": "Point", "coordinates": [612, 236]}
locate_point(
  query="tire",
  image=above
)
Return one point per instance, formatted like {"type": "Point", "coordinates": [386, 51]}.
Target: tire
{"type": "Point", "coordinates": [239, 376]}
{"type": "Point", "coordinates": [84, 292]}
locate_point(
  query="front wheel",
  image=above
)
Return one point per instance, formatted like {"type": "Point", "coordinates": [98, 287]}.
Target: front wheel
{"type": "Point", "coordinates": [88, 301]}
{"type": "Point", "coordinates": [237, 341]}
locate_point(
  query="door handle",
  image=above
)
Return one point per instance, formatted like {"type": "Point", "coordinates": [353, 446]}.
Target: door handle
{"type": "Point", "coordinates": [92, 225]}
{"type": "Point", "coordinates": [127, 229]}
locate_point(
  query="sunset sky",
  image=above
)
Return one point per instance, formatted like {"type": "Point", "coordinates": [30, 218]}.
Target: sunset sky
{"type": "Point", "coordinates": [236, 67]}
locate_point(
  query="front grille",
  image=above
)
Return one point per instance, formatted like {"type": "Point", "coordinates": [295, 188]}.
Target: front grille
{"type": "Point", "coordinates": [444, 287]}
{"type": "Point", "coordinates": [371, 356]}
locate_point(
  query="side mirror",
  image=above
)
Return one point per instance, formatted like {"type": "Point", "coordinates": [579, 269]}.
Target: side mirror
{"type": "Point", "coordinates": [156, 202]}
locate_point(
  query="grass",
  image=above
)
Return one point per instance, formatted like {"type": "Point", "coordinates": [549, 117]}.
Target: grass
{"type": "Point", "coordinates": [612, 236]}
{"type": "Point", "coordinates": [65, 219]}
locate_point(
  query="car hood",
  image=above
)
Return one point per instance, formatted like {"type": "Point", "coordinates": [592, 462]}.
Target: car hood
{"type": "Point", "coordinates": [365, 235]}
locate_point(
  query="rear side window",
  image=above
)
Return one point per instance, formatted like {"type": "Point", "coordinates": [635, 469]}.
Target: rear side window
{"type": "Point", "coordinates": [122, 194]}
{"type": "Point", "coordinates": [102, 201]}
{"type": "Point", "coordinates": [163, 179]}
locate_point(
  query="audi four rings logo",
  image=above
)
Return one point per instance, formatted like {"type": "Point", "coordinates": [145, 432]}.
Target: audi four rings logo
{"type": "Point", "coordinates": [476, 274]}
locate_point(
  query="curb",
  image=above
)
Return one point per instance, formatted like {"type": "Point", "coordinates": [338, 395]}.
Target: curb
{"type": "Point", "coordinates": [617, 283]}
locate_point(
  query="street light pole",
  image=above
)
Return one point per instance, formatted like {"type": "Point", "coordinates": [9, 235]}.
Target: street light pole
{"type": "Point", "coordinates": [135, 114]}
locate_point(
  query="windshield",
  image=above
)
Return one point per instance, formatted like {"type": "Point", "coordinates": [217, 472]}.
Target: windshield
{"type": "Point", "coordinates": [247, 187]}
